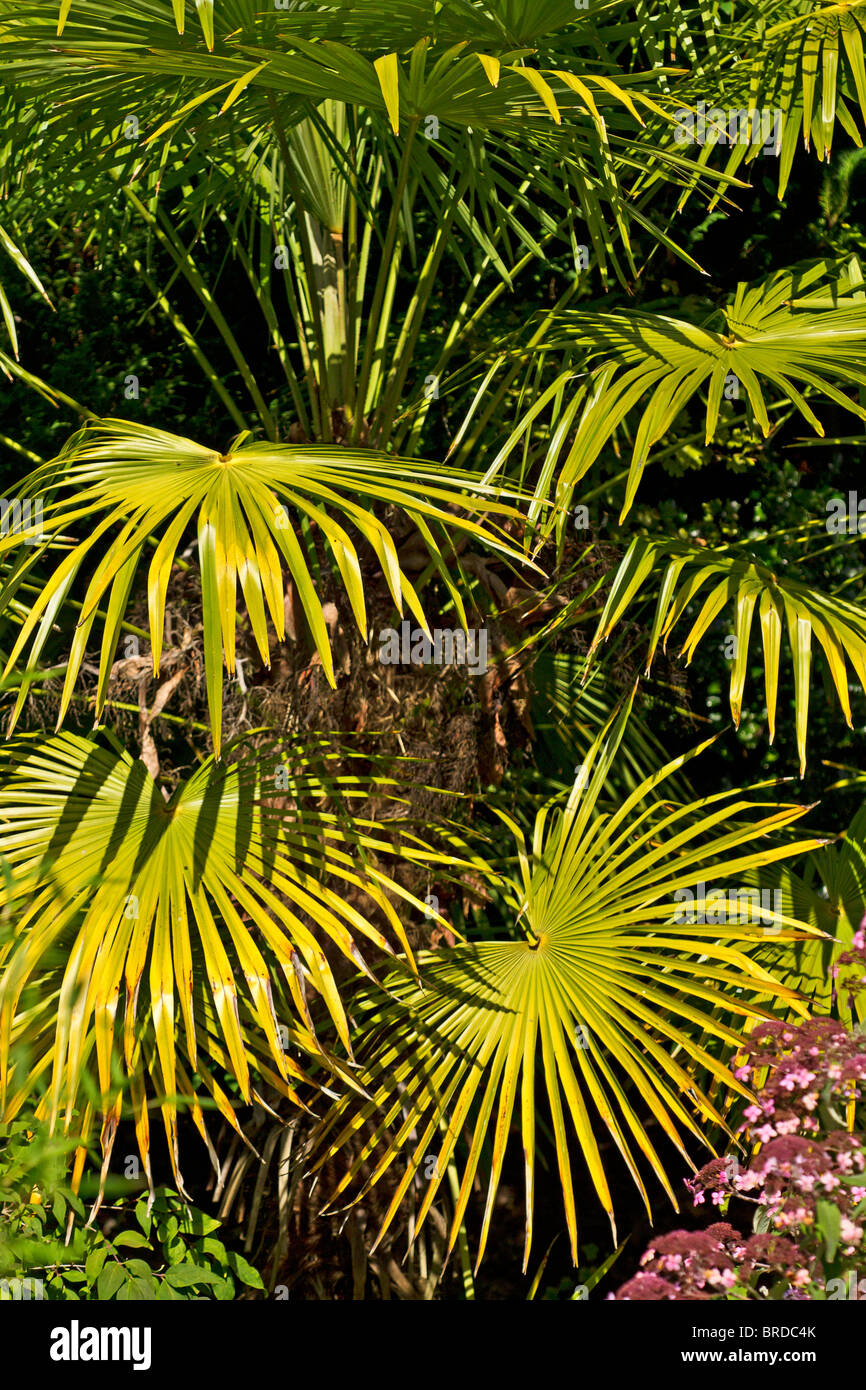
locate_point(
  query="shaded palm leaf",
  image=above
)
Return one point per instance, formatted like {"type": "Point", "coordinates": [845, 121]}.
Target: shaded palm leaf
{"type": "Point", "coordinates": [571, 706]}
{"type": "Point", "coordinates": [829, 893]}
{"type": "Point", "coordinates": [21, 262]}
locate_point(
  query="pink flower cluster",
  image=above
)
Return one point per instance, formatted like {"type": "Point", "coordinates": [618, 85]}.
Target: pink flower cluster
{"type": "Point", "coordinates": [700, 1265]}
{"type": "Point", "coordinates": [807, 1079]}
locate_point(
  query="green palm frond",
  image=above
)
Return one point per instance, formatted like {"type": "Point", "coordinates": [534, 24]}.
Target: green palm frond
{"type": "Point", "coordinates": [20, 261]}
{"type": "Point", "coordinates": [322, 136]}
{"type": "Point", "coordinates": [258, 73]}
{"type": "Point", "coordinates": [591, 1020]}
{"type": "Point", "coordinates": [828, 892]}
{"type": "Point", "coordinates": [312, 55]}
{"type": "Point", "coordinates": [780, 75]}
{"type": "Point", "coordinates": [690, 33]}
{"type": "Point", "coordinates": [792, 336]}
{"type": "Point", "coordinates": [254, 509]}
{"type": "Point", "coordinates": [173, 940]}
{"type": "Point", "coordinates": [807, 63]}
{"type": "Point", "coordinates": [679, 571]}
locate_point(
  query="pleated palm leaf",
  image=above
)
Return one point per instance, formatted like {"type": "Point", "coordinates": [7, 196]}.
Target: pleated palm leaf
{"type": "Point", "coordinates": [678, 571]}
{"type": "Point", "coordinates": [792, 338]}
{"type": "Point", "coordinates": [156, 945]}
{"type": "Point", "coordinates": [468, 69]}
{"type": "Point", "coordinates": [804, 60]}
{"type": "Point", "coordinates": [254, 509]}
{"type": "Point", "coordinates": [320, 147]}
{"type": "Point", "coordinates": [593, 1020]}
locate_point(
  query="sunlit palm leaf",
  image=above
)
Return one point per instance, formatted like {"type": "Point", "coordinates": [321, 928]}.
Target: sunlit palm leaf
{"type": "Point", "coordinates": [784, 338]}
{"type": "Point", "coordinates": [807, 63]}
{"type": "Point", "coordinates": [594, 1015]}
{"type": "Point", "coordinates": [176, 936]}
{"type": "Point", "coordinates": [656, 365]}
{"type": "Point", "coordinates": [679, 571]}
{"type": "Point", "coordinates": [467, 69]}
{"type": "Point", "coordinates": [125, 483]}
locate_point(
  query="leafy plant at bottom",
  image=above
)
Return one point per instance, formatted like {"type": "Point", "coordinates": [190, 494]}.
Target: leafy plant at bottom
{"type": "Point", "coordinates": [166, 1249]}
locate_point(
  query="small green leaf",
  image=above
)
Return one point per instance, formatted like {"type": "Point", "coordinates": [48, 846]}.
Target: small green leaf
{"type": "Point", "coordinates": [143, 1216]}
{"type": "Point", "coordinates": [830, 1226]}
{"type": "Point", "coordinates": [197, 1223]}
{"type": "Point", "coordinates": [94, 1263]}
{"type": "Point", "coordinates": [209, 1246]}
{"type": "Point", "coordinates": [143, 1289]}
{"type": "Point", "coordinates": [167, 1230]}
{"type": "Point", "coordinates": [110, 1281]}
{"type": "Point", "coordinates": [244, 1270]}
{"type": "Point", "coordinates": [134, 1239]}
{"type": "Point", "coordinates": [183, 1276]}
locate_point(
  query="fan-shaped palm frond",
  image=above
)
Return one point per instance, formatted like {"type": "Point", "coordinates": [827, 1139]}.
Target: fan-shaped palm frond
{"type": "Point", "coordinates": [596, 1013]}
{"type": "Point", "coordinates": [253, 75]}
{"type": "Point", "coordinates": [254, 508]}
{"type": "Point", "coordinates": [682, 570]}
{"type": "Point", "coordinates": [180, 936]}
{"type": "Point", "coordinates": [791, 328]}
{"type": "Point", "coordinates": [805, 60]}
